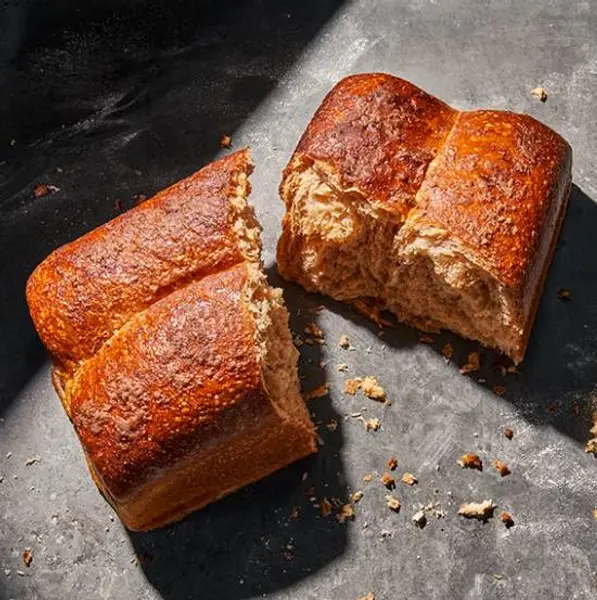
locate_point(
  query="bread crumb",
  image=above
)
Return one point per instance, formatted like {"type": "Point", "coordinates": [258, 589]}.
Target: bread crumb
{"type": "Point", "coordinates": [426, 339]}
{"type": "Point", "coordinates": [473, 363]}
{"type": "Point", "coordinates": [367, 477]}
{"type": "Point", "coordinates": [564, 294]}
{"type": "Point", "coordinates": [31, 461]}
{"type": "Point", "coordinates": [332, 425]}
{"type": "Point", "coordinates": [314, 330]}
{"type": "Point", "coordinates": [42, 189]}
{"type": "Point", "coordinates": [409, 479]}
{"type": "Point", "coordinates": [420, 519]}
{"type": "Point", "coordinates": [27, 558]}
{"type": "Point", "coordinates": [388, 481]}
{"type": "Point", "coordinates": [509, 433]}
{"type": "Point", "coordinates": [501, 467]}
{"type": "Point", "coordinates": [351, 386]}
{"type": "Point", "coordinates": [392, 463]}
{"type": "Point", "coordinates": [477, 510]}
{"type": "Point", "coordinates": [342, 367]}
{"type": "Point", "coordinates": [344, 342]}
{"type": "Point", "coordinates": [368, 596]}
{"type": "Point", "coordinates": [326, 507]}
{"type": "Point", "coordinates": [225, 141]}
{"type": "Point", "coordinates": [319, 392]}
{"type": "Point", "coordinates": [470, 461]}
{"type": "Point", "coordinates": [356, 496]}
{"type": "Point", "coordinates": [294, 512]}
{"type": "Point", "coordinates": [346, 513]}
{"type": "Point", "coordinates": [595, 513]}
{"type": "Point", "coordinates": [539, 93]}
{"type": "Point", "coordinates": [499, 390]}
{"type": "Point", "coordinates": [372, 389]}
{"type": "Point", "coordinates": [448, 351]}
{"type": "Point", "coordinates": [372, 424]}
{"type": "Point", "coordinates": [298, 340]}
{"type": "Point", "coordinates": [506, 519]}
{"type": "Point", "coordinates": [393, 503]}
{"type": "Point", "coordinates": [591, 446]}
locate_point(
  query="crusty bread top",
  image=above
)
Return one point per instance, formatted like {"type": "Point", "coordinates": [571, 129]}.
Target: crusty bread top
{"type": "Point", "coordinates": [176, 380]}
{"type": "Point", "coordinates": [493, 180]}
{"type": "Point", "coordinates": [86, 290]}
{"type": "Point", "coordinates": [497, 182]}
{"type": "Point", "coordinates": [378, 133]}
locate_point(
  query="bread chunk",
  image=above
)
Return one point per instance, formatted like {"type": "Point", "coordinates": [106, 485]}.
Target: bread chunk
{"type": "Point", "coordinates": [448, 219]}
{"type": "Point", "coordinates": [172, 354]}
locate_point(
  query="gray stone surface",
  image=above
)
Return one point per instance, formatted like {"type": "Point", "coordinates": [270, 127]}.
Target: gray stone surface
{"type": "Point", "coordinates": [124, 100]}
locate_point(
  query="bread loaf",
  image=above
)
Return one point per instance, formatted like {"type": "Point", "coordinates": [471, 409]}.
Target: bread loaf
{"type": "Point", "coordinates": [448, 219]}
{"type": "Point", "coordinates": [171, 354]}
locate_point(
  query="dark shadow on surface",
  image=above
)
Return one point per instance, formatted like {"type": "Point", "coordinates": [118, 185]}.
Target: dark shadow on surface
{"type": "Point", "coordinates": [271, 534]}
{"type": "Point", "coordinates": [107, 100]}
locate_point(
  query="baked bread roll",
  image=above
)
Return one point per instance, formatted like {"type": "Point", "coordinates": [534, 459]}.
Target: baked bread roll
{"type": "Point", "coordinates": [171, 354]}
{"type": "Point", "coordinates": [448, 219]}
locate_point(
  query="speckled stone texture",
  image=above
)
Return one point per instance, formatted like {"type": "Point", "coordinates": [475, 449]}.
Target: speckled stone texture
{"type": "Point", "coordinates": [107, 100]}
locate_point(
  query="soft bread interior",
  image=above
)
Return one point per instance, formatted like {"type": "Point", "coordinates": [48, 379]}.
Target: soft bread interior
{"type": "Point", "coordinates": [338, 243]}
{"type": "Point", "coordinates": [243, 220]}
{"type": "Point", "coordinates": [276, 352]}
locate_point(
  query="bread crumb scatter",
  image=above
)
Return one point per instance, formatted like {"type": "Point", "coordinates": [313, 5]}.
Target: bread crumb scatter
{"type": "Point", "coordinates": [344, 342]}
{"type": "Point", "coordinates": [368, 477]}
{"type": "Point", "coordinates": [473, 363]}
{"type": "Point", "coordinates": [409, 479]}
{"type": "Point", "coordinates": [372, 389]}
{"type": "Point", "coordinates": [393, 503]}
{"type": "Point", "coordinates": [477, 510]}
{"type": "Point", "coordinates": [539, 93]}
{"type": "Point", "coordinates": [501, 467]}
{"type": "Point", "coordinates": [342, 367]}
{"type": "Point", "coordinates": [225, 141]}
{"type": "Point", "coordinates": [27, 558]}
{"type": "Point", "coordinates": [332, 425]}
{"type": "Point", "coordinates": [314, 330]}
{"type": "Point", "coordinates": [346, 513]}
{"type": "Point", "coordinates": [470, 461]}
{"type": "Point", "coordinates": [448, 351]}
{"type": "Point", "coordinates": [506, 519]}
{"type": "Point", "coordinates": [509, 433]}
{"type": "Point", "coordinates": [392, 463]}
{"type": "Point", "coordinates": [356, 496]}
{"type": "Point", "coordinates": [372, 424]}
{"type": "Point", "coordinates": [319, 392]}
{"type": "Point", "coordinates": [420, 519]}
{"type": "Point", "coordinates": [499, 390]}
{"type": "Point", "coordinates": [388, 481]}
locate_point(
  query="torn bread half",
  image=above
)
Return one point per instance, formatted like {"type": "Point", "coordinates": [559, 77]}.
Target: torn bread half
{"type": "Point", "coordinates": [172, 354]}
{"type": "Point", "coordinates": [448, 219]}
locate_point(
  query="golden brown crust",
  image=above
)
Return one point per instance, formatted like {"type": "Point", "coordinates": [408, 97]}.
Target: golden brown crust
{"type": "Point", "coordinates": [172, 356]}
{"type": "Point", "coordinates": [497, 185]}
{"type": "Point", "coordinates": [176, 381]}
{"type": "Point", "coordinates": [89, 288]}
{"type": "Point", "coordinates": [379, 133]}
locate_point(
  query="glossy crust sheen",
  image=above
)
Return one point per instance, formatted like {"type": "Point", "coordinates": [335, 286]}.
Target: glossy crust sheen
{"type": "Point", "coordinates": [379, 134]}
{"type": "Point", "coordinates": [497, 183]}
{"type": "Point", "coordinates": [89, 288]}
